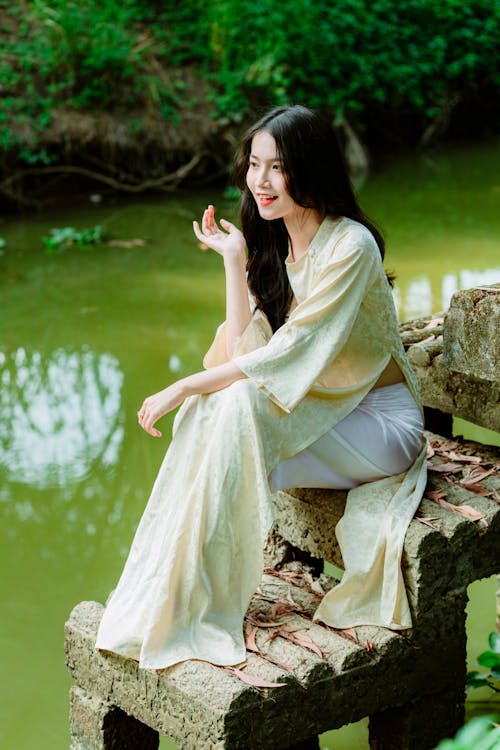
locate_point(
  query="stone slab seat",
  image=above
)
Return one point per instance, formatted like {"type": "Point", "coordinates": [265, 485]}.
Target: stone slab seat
{"type": "Point", "coordinates": [410, 685]}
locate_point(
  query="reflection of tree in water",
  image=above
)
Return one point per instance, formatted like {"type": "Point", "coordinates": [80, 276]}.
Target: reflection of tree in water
{"type": "Point", "coordinates": [61, 436]}
{"type": "Point", "coordinates": [59, 415]}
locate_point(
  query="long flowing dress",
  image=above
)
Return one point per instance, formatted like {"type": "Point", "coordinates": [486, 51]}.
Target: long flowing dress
{"type": "Point", "coordinates": [196, 558]}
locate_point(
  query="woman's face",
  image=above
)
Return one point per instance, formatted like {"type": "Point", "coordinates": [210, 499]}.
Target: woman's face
{"type": "Point", "coordinates": [266, 180]}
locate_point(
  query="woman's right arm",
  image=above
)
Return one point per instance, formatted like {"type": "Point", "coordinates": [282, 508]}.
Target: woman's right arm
{"type": "Point", "coordinates": [229, 243]}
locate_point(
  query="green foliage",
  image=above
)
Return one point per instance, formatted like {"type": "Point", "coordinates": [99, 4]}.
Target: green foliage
{"type": "Point", "coordinates": [481, 733]}
{"type": "Point", "coordinates": [348, 57]}
{"type": "Point", "coordinates": [491, 660]}
{"type": "Point", "coordinates": [64, 238]}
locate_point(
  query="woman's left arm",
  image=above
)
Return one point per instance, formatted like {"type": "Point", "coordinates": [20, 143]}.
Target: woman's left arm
{"type": "Point", "coordinates": [207, 381]}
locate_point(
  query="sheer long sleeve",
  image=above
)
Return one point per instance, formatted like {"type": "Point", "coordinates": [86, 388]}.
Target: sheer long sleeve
{"type": "Point", "coordinates": [318, 328]}
{"type": "Point", "coordinates": [256, 334]}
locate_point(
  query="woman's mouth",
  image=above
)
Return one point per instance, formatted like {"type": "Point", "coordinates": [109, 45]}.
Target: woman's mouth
{"type": "Point", "coordinates": [265, 200]}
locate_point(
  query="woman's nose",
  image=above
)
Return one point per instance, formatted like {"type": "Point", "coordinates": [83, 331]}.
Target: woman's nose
{"type": "Point", "coordinates": [263, 177]}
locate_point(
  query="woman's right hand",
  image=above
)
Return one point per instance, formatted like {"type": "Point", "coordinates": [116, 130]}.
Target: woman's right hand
{"type": "Point", "coordinates": [228, 241]}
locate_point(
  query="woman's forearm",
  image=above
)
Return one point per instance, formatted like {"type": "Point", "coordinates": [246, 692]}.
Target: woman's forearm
{"type": "Point", "coordinates": [156, 406]}
{"type": "Point", "coordinates": [213, 379]}
{"type": "Point", "coordinates": [238, 312]}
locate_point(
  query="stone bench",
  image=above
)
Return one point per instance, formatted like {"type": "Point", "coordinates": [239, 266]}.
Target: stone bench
{"type": "Point", "coordinates": [329, 678]}
{"type": "Point", "coordinates": [456, 359]}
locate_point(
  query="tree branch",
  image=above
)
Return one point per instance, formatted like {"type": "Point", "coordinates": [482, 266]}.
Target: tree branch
{"type": "Point", "coordinates": [168, 181]}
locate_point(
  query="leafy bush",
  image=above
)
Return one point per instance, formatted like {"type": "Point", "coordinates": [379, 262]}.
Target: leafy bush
{"type": "Point", "coordinates": [63, 238]}
{"type": "Point", "coordinates": [491, 660]}
{"type": "Point", "coordinates": [481, 733]}
{"type": "Point", "coordinates": [347, 55]}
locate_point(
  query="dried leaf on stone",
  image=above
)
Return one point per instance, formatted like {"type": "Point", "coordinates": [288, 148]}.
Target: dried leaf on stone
{"type": "Point", "coordinates": [250, 640]}
{"type": "Point", "coordinates": [261, 623]}
{"type": "Point", "coordinates": [251, 645]}
{"type": "Point", "coordinates": [473, 474]}
{"type": "Point", "coordinates": [300, 639]}
{"type": "Point", "coordinates": [465, 510]}
{"type": "Point", "coordinates": [293, 603]}
{"type": "Point", "coordinates": [435, 495]}
{"type": "Point", "coordinates": [445, 468]}
{"type": "Point", "coordinates": [478, 488]}
{"type": "Point", "coordinates": [281, 609]}
{"type": "Point", "coordinates": [350, 634]}
{"type": "Point", "coordinates": [252, 679]}
{"type": "Point", "coordinates": [428, 521]}
{"type": "Point", "coordinates": [463, 457]}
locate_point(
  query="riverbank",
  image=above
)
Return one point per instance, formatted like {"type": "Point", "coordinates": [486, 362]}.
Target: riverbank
{"type": "Point", "coordinates": [133, 96]}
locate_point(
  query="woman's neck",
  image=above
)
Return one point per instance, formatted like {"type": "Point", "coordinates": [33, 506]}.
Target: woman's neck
{"type": "Point", "coordinates": [301, 230]}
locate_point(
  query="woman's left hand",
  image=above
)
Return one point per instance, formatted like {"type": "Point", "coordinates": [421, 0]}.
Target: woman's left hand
{"type": "Point", "coordinates": [158, 405]}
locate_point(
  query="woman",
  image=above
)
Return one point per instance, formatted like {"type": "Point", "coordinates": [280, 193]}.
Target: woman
{"type": "Point", "coordinates": [306, 384]}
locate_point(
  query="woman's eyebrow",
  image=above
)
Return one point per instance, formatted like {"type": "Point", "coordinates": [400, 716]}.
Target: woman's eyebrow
{"type": "Point", "coordinates": [257, 158]}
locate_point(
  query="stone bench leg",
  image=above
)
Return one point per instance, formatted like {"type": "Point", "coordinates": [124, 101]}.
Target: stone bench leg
{"type": "Point", "coordinates": [420, 725]}
{"type": "Point", "coordinates": [98, 725]}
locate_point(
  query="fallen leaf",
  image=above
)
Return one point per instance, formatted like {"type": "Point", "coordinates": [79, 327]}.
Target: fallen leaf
{"type": "Point", "coordinates": [251, 645]}
{"type": "Point", "coordinates": [464, 457]}
{"type": "Point", "coordinates": [478, 488]}
{"type": "Point", "coordinates": [465, 510]}
{"type": "Point", "coordinates": [301, 640]}
{"type": "Point", "coordinates": [293, 603]}
{"type": "Point", "coordinates": [435, 495]}
{"type": "Point", "coordinates": [250, 640]}
{"type": "Point", "coordinates": [350, 634]}
{"type": "Point", "coordinates": [446, 468]}
{"type": "Point", "coordinates": [127, 243]}
{"type": "Point", "coordinates": [475, 474]}
{"type": "Point", "coordinates": [252, 679]}
{"type": "Point", "coordinates": [263, 623]}
{"type": "Point", "coordinates": [428, 521]}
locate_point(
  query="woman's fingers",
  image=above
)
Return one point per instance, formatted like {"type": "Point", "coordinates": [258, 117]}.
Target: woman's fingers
{"type": "Point", "coordinates": [147, 419]}
{"type": "Point", "coordinates": [228, 226]}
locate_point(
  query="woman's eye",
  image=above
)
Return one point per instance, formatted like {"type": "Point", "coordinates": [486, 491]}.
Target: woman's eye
{"type": "Point", "coordinates": [277, 167]}
{"type": "Point", "coordinates": [253, 164]}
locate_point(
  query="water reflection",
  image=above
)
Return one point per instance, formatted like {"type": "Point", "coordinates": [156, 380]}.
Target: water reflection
{"type": "Point", "coordinates": [417, 297]}
{"type": "Point", "coordinates": [60, 414]}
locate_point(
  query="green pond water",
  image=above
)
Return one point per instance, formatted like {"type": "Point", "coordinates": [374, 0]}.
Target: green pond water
{"type": "Point", "coordinates": [86, 335]}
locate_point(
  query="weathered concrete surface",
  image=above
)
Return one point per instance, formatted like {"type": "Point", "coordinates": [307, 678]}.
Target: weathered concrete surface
{"type": "Point", "coordinates": [471, 336]}
{"type": "Point", "coordinates": [353, 674]}
{"type": "Point", "coordinates": [477, 401]}
{"type": "Point", "coordinates": [95, 724]}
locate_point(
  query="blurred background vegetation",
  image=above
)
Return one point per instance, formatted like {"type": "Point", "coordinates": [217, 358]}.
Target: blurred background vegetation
{"type": "Point", "coordinates": [133, 89]}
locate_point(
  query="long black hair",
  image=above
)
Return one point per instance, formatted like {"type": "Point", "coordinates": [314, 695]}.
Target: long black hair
{"type": "Point", "coordinates": [316, 177]}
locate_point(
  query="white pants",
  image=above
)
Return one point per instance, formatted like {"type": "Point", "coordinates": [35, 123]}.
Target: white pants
{"type": "Point", "coordinates": [381, 437]}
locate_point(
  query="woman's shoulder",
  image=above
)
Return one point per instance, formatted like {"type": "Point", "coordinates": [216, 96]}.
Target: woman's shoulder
{"type": "Point", "coordinates": [348, 235]}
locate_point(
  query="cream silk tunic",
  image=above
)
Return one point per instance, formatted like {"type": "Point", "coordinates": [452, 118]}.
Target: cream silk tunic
{"type": "Point", "coordinates": [197, 557]}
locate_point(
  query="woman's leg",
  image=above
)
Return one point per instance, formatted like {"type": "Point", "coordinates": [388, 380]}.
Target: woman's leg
{"type": "Point", "coordinates": [197, 555]}
{"type": "Point", "coordinates": [379, 438]}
